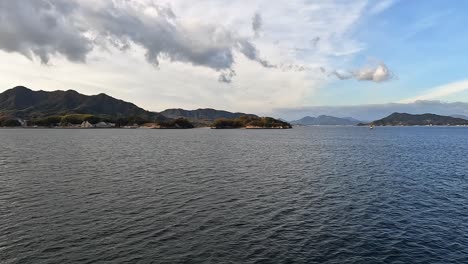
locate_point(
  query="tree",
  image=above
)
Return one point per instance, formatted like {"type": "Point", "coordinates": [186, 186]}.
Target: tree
{"type": "Point", "coordinates": [250, 121]}
{"type": "Point", "coordinates": [92, 119]}
{"type": "Point", "coordinates": [75, 119]}
{"type": "Point", "coordinates": [227, 123]}
{"type": "Point", "coordinates": [48, 121]}
{"type": "Point", "coordinates": [180, 123]}
{"type": "Point", "coordinates": [11, 123]}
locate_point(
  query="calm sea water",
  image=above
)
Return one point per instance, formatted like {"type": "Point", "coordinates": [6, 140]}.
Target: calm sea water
{"type": "Point", "coordinates": [306, 195]}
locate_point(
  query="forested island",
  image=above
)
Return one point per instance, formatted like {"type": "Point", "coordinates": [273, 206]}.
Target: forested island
{"type": "Point", "coordinates": [250, 122]}
{"type": "Point", "coordinates": [404, 119]}
{"type": "Point", "coordinates": [23, 107]}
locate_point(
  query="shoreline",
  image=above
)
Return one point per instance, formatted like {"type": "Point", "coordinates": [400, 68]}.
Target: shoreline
{"type": "Point", "coordinates": [144, 128]}
{"type": "Point", "coordinates": [240, 128]}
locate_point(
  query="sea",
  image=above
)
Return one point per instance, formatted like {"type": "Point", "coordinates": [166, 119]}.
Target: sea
{"type": "Point", "coordinates": [303, 195]}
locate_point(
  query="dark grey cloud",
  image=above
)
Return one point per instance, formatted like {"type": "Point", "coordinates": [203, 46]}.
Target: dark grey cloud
{"type": "Point", "coordinates": [162, 36]}
{"type": "Point", "coordinates": [315, 41]}
{"type": "Point", "coordinates": [250, 51]}
{"type": "Point", "coordinates": [375, 111]}
{"type": "Point", "coordinates": [294, 67]}
{"type": "Point", "coordinates": [257, 24]}
{"type": "Point", "coordinates": [342, 75]}
{"type": "Point", "coordinates": [226, 76]}
{"type": "Point", "coordinates": [43, 28]}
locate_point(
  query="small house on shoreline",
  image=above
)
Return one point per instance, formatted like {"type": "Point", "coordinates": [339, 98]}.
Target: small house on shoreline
{"type": "Point", "coordinates": [86, 124]}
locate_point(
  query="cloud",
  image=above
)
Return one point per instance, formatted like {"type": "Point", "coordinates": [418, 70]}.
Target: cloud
{"type": "Point", "coordinates": [381, 6]}
{"type": "Point", "coordinates": [341, 75]}
{"type": "Point", "coordinates": [440, 91]}
{"type": "Point", "coordinates": [315, 41]}
{"type": "Point", "coordinates": [226, 76]}
{"type": "Point", "coordinates": [256, 24]}
{"type": "Point", "coordinates": [161, 34]}
{"type": "Point", "coordinates": [74, 28]}
{"type": "Point", "coordinates": [117, 38]}
{"type": "Point", "coordinates": [42, 28]}
{"type": "Point", "coordinates": [379, 73]}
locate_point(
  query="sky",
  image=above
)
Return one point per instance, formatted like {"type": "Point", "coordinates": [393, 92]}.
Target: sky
{"type": "Point", "coordinates": [257, 56]}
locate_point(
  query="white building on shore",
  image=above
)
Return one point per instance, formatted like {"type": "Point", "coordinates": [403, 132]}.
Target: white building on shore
{"type": "Point", "coordinates": [104, 125]}
{"type": "Point", "coordinates": [86, 124]}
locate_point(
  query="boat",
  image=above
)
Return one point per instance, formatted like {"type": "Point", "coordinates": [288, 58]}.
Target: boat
{"type": "Point", "coordinates": [371, 126]}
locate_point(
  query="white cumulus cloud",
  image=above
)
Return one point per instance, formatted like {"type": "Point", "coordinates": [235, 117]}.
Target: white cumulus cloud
{"type": "Point", "coordinates": [378, 73]}
{"type": "Point", "coordinates": [194, 44]}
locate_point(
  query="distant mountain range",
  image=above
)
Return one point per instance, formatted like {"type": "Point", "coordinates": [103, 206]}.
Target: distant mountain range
{"type": "Point", "coordinates": [371, 112]}
{"type": "Point", "coordinates": [326, 120]}
{"type": "Point", "coordinates": [205, 114]}
{"type": "Point", "coordinates": [404, 119]}
{"type": "Point", "coordinates": [25, 103]}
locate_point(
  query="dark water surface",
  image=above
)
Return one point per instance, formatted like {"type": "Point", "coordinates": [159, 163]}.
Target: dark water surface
{"type": "Point", "coordinates": [306, 195]}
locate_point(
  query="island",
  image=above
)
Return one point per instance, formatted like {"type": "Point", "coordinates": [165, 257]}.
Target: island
{"type": "Point", "coordinates": [23, 107]}
{"type": "Point", "coordinates": [250, 122]}
{"type": "Point", "coordinates": [325, 120]}
{"type": "Point", "coordinates": [405, 119]}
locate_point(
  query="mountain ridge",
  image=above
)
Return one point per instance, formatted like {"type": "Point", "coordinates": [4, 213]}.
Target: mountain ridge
{"type": "Point", "coordinates": [202, 114]}
{"type": "Point", "coordinates": [460, 116]}
{"type": "Point", "coordinates": [22, 102]}
{"type": "Point", "coordinates": [49, 108]}
{"type": "Point", "coordinates": [369, 112]}
{"type": "Point", "coordinates": [323, 120]}
{"type": "Point", "coordinates": [405, 119]}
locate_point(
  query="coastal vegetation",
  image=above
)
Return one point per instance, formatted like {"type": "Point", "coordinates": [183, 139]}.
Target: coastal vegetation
{"type": "Point", "coordinates": [207, 114]}
{"type": "Point", "coordinates": [10, 123]}
{"type": "Point", "coordinates": [21, 106]}
{"type": "Point", "coordinates": [202, 117]}
{"type": "Point", "coordinates": [249, 122]}
{"type": "Point", "coordinates": [179, 123]}
{"type": "Point", "coordinates": [77, 119]}
{"type": "Point", "coordinates": [404, 119]}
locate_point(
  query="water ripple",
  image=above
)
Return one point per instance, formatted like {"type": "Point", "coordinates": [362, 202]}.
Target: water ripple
{"type": "Point", "coordinates": [307, 195]}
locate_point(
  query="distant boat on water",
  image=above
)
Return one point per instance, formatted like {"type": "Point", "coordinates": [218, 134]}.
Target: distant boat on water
{"type": "Point", "coordinates": [371, 126]}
